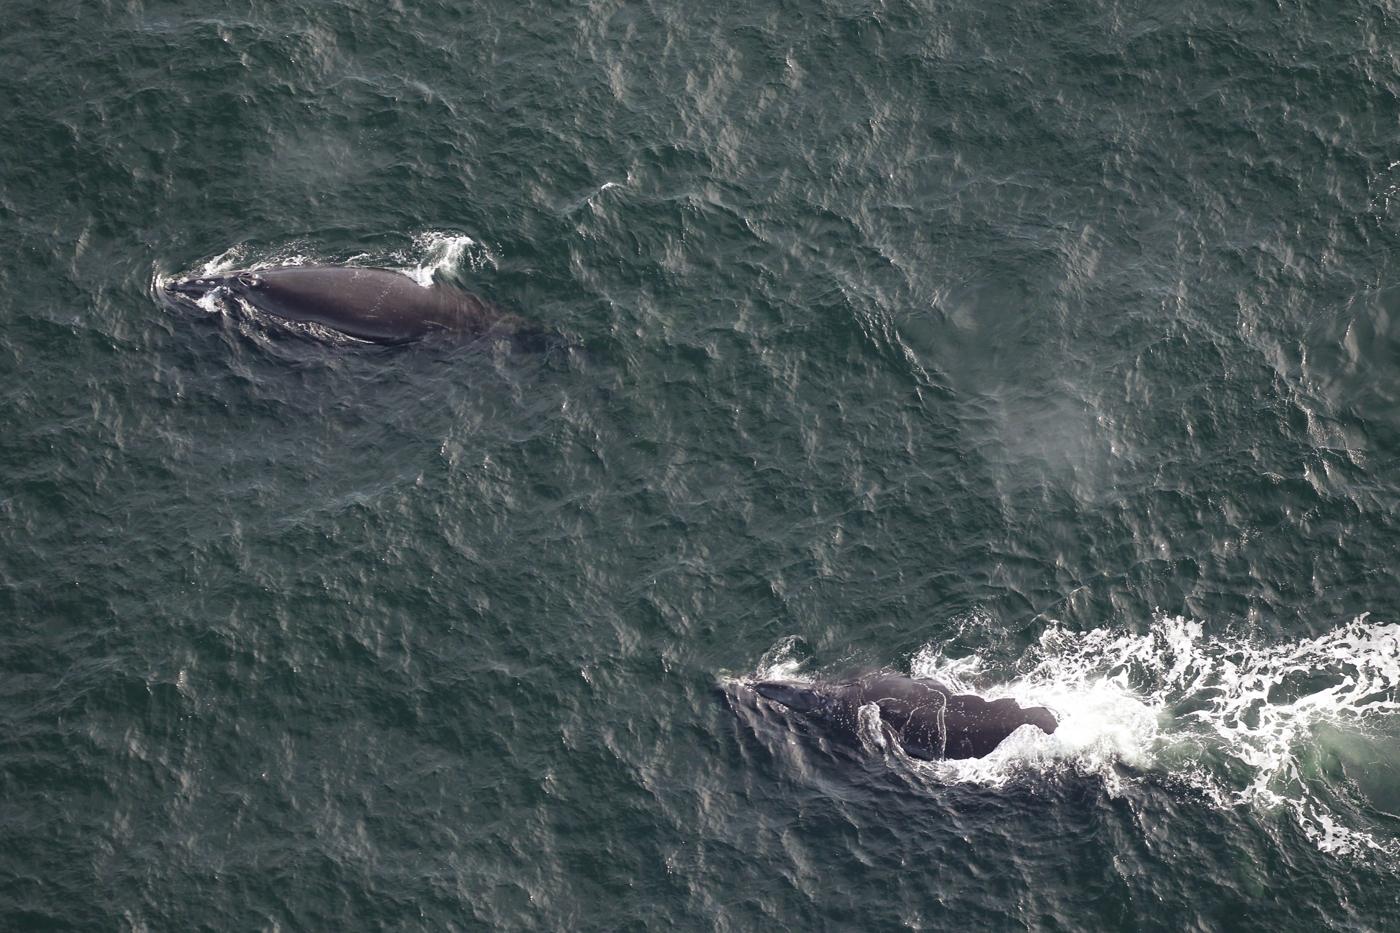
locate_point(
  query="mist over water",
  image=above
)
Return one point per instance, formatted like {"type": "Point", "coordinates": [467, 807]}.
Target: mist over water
{"type": "Point", "coordinates": [1047, 351]}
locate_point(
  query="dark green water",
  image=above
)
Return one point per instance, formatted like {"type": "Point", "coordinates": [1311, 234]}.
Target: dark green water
{"type": "Point", "coordinates": [1047, 348]}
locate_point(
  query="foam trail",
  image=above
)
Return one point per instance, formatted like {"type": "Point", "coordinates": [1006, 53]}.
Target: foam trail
{"type": "Point", "coordinates": [1242, 721]}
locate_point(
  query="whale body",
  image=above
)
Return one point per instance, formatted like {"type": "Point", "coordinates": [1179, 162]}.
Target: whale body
{"type": "Point", "coordinates": [928, 720]}
{"type": "Point", "coordinates": [377, 305]}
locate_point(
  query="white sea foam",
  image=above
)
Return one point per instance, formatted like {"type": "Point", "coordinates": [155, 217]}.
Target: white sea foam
{"type": "Point", "coordinates": [445, 253]}
{"type": "Point", "coordinates": [1236, 718]}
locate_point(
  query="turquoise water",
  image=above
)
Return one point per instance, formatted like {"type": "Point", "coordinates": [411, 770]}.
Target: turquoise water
{"type": "Point", "coordinates": [1048, 349]}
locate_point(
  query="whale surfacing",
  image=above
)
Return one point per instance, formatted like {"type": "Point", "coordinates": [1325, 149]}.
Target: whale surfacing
{"type": "Point", "coordinates": [928, 720]}
{"type": "Point", "coordinates": [377, 305]}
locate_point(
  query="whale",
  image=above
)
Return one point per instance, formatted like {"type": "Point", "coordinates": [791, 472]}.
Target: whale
{"type": "Point", "coordinates": [366, 303]}
{"type": "Point", "coordinates": [926, 719]}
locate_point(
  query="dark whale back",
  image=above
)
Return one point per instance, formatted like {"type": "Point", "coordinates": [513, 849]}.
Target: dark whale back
{"type": "Point", "coordinates": [370, 304]}
{"type": "Point", "coordinates": [378, 305]}
{"type": "Point", "coordinates": [927, 719]}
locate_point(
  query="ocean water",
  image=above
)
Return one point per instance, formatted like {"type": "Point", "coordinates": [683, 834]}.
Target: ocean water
{"type": "Point", "coordinates": [1048, 349]}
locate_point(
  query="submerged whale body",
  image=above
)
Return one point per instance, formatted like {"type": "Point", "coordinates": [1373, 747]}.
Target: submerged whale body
{"type": "Point", "coordinates": [928, 720]}
{"type": "Point", "coordinates": [378, 305]}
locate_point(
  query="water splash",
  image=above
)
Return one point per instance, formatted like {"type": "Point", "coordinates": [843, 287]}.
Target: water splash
{"type": "Point", "coordinates": [783, 661]}
{"type": "Point", "coordinates": [438, 253]}
{"type": "Point", "coordinates": [227, 261]}
{"type": "Point", "coordinates": [433, 254]}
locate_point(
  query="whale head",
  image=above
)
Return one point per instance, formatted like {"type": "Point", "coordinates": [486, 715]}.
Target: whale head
{"type": "Point", "coordinates": [794, 696]}
{"type": "Point", "coordinates": [196, 288]}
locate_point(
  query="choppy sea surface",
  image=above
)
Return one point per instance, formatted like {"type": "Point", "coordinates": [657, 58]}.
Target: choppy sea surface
{"type": "Point", "coordinates": [1048, 349]}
